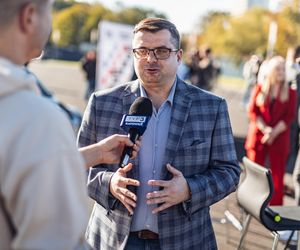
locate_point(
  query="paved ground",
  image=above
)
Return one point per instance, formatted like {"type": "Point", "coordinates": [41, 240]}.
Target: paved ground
{"type": "Point", "coordinates": [64, 79]}
{"type": "Point", "coordinates": [67, 81]}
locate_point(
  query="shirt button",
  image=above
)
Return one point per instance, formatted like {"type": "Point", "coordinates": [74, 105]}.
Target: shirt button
{"type": "Point", "coordinates": [156, 145]}
{"type": "Point", "coordinates": [147, 226]}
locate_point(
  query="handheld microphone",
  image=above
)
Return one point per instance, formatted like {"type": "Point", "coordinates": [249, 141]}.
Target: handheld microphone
{"type": "Point", "coordinates": [135, 123]}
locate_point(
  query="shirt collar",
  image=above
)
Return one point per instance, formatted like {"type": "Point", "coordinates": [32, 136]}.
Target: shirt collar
{"type": "Point", "coordinates": [170, 98]}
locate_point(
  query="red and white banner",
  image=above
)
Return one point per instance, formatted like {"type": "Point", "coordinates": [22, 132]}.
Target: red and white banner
{"type": "Point", "coordinates": [114, 58]}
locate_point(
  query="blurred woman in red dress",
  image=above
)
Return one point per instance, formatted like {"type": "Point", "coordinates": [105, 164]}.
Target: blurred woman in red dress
{"type": "Point", "coordinates": [271, 110]}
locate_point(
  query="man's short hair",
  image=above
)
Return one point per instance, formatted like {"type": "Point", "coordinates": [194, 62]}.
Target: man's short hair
{"type": "Point", "coordinates": [154, 24]}
{"type": "Point", "coordinates": [10, 8]}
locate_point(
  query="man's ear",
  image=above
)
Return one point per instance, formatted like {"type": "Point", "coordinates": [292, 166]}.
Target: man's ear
{"type": "Point", "coordinates": [27, 17]}
{"type": "Point", "coordinates": [179, 55]}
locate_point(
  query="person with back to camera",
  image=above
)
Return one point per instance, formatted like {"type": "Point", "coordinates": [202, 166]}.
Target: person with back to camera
{"type": "Point", "coordinates": [271, 111]}
{"type": "Point", "coordinates": [186, 164]}
{"type": "Point", "coordinates": [43, 200]}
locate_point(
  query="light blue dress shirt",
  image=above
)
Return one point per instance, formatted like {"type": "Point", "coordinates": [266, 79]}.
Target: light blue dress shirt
{"type": "Point", "coordinates": [151, 155]}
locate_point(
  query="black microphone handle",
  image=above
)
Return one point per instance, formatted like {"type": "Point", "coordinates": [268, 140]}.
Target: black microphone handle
{"type": "Point", "coordinates": [127, 152]}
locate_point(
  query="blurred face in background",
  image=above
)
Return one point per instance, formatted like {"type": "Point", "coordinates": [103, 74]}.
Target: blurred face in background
{"type": "Point", "coordinates": [91, 55]}
{"type": "Point", "coordinates": [277, 70]}
{"type": "Point", "coordinates": [279, 73]}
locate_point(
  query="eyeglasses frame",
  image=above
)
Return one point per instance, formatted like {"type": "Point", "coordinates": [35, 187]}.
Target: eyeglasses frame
{"type": "Point", "coordinates": [153, 50]}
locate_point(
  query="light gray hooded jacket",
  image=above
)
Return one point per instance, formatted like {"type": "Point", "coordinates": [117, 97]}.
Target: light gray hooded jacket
{"type": "Point", "coordinates": [42, 184]}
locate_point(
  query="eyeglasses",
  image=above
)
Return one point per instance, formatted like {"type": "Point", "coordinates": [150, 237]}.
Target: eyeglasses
{"type": "Point", "coordinates": [159, 53]}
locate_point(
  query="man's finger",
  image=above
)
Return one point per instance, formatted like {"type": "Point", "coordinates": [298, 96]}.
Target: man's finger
{"type": "Point", "coordinates": [161, 207]}
{"type": "Point", "coordinates": [127, 193]}
{"type": "Point", "coordinates": [127, 202]}
{"type": "Point", "coordinates": [173, 170]}
{"type": "Point", "coordinates": [134, 152]}
{"type": "Point", "coordinates": [138, 142]}
{"type": "Point", "coordinates": [156, 194]}
{"type": "Point", "coordinates": [159, 183]}
{"type": "Point", "coordinates": [128, 142]}
{"type": "Point", "coordinates": [129, 181]}
{"type": "Point", "coordinates": [128, 207]}
{"type": "Point", "coordinates": [122, 139]}
{"type": "Point", "coordinates": [157, 200]}
{"type": "Point", "coordinates": [125, 169]}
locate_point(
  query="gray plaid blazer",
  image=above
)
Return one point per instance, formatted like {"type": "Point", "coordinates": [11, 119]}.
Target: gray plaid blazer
{"type": "Point", "coordinates": [200, 144]}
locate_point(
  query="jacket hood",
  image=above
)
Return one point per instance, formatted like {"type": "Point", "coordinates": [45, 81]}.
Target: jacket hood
{"type": "Point", "coordinates": [14, 78]}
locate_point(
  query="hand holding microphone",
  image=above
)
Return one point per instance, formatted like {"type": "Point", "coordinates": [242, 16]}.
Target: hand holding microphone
{"type": "Point", "coordinates": [135, 123]}
{"type": "Point", "coordinates": [108, 150]}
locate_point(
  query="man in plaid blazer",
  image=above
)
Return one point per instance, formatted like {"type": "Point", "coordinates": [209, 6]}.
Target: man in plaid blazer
{"type": "Point", "coordinates": [187, 160]}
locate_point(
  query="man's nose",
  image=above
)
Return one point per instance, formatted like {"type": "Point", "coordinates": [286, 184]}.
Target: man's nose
{"type": "Point", "coordinates": [151, 56]}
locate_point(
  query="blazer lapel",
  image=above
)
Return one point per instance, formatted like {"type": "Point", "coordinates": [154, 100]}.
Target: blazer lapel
{"type": "Point", "coordinates": [180, 112]}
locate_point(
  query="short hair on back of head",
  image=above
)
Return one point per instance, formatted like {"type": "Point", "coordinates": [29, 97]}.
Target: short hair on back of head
{"type": "Point", "coordinates": [10, 8]}
{"type": "Point", "coordinates": [155, 24]}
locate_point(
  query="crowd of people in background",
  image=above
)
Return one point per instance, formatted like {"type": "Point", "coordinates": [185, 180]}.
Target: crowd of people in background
{"type": "Point", "coordinates": [200, 69]}
{"type": "Point", "coordinates": [271, 111]}
{"type": "Point", "coordinates": [274, 117]}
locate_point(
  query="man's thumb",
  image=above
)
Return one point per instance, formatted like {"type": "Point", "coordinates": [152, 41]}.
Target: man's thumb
{"type": "Point", "coordinates": [173, 170]}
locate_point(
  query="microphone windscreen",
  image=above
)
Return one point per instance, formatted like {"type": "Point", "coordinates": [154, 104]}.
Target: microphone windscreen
{"type": "Point", "coordinates": [141, 106]}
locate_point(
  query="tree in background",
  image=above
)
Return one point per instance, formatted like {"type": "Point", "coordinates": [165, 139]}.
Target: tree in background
{"type": "Point", "coordinates": [62, 4]}
{"type": "Point", "coordinates": [240, 36]}
{"type": "Point", "coordinates": [96, 13]}
{"type": "Point", "coordinates": [73, 21]}
{"type": "Point", "coordinates": [288, 35]}
{"type": "Point", "coordinates": [214, 30]}
{"type": "Point", "coordinates": [247, 35]}
{"type": "Point", "coordinates": [134, 15]}
{"type": "Point", "coordinates": [230, 36]}
{"type": "Point", "coordinates": [68, 25]}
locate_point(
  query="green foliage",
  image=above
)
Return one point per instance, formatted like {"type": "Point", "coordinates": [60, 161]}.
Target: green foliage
{"type": "Point", "coordinates": [233, 36]}
{"type": "Point", "coordinates": [239, 36]}
{"type": "Point", "coordinates": [134, 15]}
{"type": "Point", "coordinates": [62, 4]}
{"type": "Point", "coordinates": [96, 13]}
{"type": "Point", "coordinates": [214, 31]}
{"type": "Point", "coordinates": [69, 24]}
{"type": "Point", "coordinates": [73, 22]}
{"type": "Point", "coordinates": [213, 17]}
{"type": "Point", "coordinates": [288, 30]}
{"type": "Point", "coordinates": [247, 35]}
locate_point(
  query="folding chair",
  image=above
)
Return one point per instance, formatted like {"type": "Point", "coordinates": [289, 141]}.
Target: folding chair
{"type": "Point", "coordinates": [254, 194]}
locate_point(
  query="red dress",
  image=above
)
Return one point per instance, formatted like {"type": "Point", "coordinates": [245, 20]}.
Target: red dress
{"type": "Point", "coordinates": [278, 151]}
